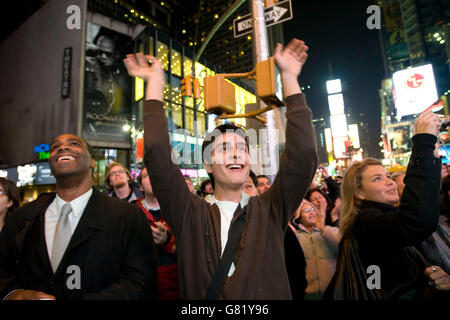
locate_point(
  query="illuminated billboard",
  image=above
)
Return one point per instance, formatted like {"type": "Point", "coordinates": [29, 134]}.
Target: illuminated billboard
{"type": "Point", "coordinates": [399, 137]}
{"type": "Point", "coordinates": [336, 103]}
{"type": "Point", "coordinates": [414, 90]}
{"type": "Point", "coordinates": [334, 86]}
{"type": "Point", "coordinates": [338, 125]}
{"type": "Point", "coordinates": [339, 147]}
{"type": "Point", "coordinates": [354, 135]}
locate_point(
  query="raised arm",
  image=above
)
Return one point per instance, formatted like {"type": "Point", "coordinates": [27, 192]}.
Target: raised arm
{"type": "Point", "coordinates": [168, 183]}
{"type": "Point", "coordinates": [299, 160]}
{"type": "Point", "coordinates": [420, 203]}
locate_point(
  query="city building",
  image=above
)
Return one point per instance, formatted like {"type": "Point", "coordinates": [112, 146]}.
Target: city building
{"type": "Point", "coordinates": [414, 33]}
{"type": "Point", "coordinates": [86, 91]}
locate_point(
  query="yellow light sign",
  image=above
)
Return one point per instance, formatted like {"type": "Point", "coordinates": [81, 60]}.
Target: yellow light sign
{"type": "Point", "coordinates": [138, 89]}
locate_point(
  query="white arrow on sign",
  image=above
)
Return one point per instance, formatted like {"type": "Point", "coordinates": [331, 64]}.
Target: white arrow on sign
{"type": "Point", "coordinates": [272, 15]}
{"type": "Point", "coordinates": [277, 13]}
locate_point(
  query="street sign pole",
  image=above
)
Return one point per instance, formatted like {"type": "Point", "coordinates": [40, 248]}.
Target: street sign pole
{"type": "Point", "coordinates": [261, 53]}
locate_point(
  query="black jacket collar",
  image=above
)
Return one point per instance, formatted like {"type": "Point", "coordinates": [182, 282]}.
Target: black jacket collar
{"type": "Point", "coordinates": [377, 205]}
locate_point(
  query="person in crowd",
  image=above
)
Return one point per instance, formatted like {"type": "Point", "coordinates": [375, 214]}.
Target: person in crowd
{"type": "Point", "coordinates": [167, 279]}
{"type": "Point", "coordinates": [208, 232]}
{"type": "Point", "coordinates": [249, 186]}
{"type": "Point", "coordinates": [295, 264]}
{"type": "Point", "coordinates": [338, 180]}
{"type": "Point", "coordinates": [122, 187]}
{"type": "Point", "coordinates": [9, 199]}
{"type": "Point", "coordinates": [330, 187]}
{"type": "Point", "coordinates": [77, 243]}
{"type": "Point", "coordinates": [206, 188]}
{"type": "Point", "coordinates": [436, 248]}
{"type": "Point", "coordinates": [319, 244]}
{"type": "Point", "coordinates": [323, 203]}
{"type": "Point", "coordinates": [445, 170]}
{"type": "Point", "coordinates": [398, 179]}
{"type": "Point", "coordinates": [382, 231]}
{"type": "Point", "coordinates": [263, 183]}
{"type": "Point", "coordinates": [190, 184]}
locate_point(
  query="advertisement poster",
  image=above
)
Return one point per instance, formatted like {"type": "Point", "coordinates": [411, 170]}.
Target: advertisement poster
{"type": "Point", "coordinates": [399, 137]}
{"type": "Point", "coordinates": [414, 90]}
{"type": "Point", "coordinates": [107, 86]}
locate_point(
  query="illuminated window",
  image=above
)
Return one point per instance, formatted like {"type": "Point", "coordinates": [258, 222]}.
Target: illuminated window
{"type": "Point", "coordinates": [167, 93]}
{"type": "Point", "coordinates": [163, 55]}
{"type": "Point", "coordinates": [189, 102]}
{"type": "Point", "coordinates": [176, 90]}
{"type": "Point", "coordinates": [187, 66]}
{"type": "Point", "coordinates": [176, 62]}
{"type": "Point", "coordinates": [190, 120]}
{"type": "Point", "coordinates": [177, 115]}
{"type": "Point", "coordinates": [201, 124]}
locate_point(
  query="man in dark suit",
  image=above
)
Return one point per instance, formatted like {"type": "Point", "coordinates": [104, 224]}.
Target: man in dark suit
{"type": "Point", "coordinates": [77, 243]}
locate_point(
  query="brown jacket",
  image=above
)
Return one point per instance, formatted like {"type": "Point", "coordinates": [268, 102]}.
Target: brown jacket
{"type": "Point", "coordinates": [260, 269]}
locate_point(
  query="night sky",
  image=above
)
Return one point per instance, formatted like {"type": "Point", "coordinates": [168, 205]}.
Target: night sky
{"type": "Point", "coordinates": [336, 32]}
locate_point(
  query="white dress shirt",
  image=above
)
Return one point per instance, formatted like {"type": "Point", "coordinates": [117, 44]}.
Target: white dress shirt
{"type": "Point", "coordinates": [54, 210]}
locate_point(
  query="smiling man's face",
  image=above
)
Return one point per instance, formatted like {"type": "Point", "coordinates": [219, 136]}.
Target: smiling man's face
{"type": "Point", "coordinates": [69, 155]}
{"type": "Point", "coordinates": [230, 161]}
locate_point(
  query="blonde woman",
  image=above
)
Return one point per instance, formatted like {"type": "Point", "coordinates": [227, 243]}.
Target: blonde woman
{"type": "Point", "coordinates": [383, 231]}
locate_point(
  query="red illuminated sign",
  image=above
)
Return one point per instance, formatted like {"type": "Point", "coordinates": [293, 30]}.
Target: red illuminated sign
{"type": "Point", "coordinates": [415, 81]}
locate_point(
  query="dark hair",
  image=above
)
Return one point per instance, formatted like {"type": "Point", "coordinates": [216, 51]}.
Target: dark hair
{"type": "Point", "coordinates": [330, 204]}
{"type": "Point", "coordinates": [139, 178]}
{"type": "Point", "coordinates": [12, 193]}
{"type": "Point", "coordinates": [211, 137]}
{"type": "Point", "coordinates": [254, 178]}
{"type": "Point", "coordinates": [261, 176]}
{"type": "Point", "coordinates": [203, 186]}
{"type": "Point", "coordinates": [310, 192]}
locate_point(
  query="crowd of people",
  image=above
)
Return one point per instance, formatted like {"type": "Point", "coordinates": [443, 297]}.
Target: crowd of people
{"type": "Point", "coordinates": [238, 235]}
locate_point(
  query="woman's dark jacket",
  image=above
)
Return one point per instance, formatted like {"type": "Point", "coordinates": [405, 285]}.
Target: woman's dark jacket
{"type": "Point", "coordinates": [382, 231]}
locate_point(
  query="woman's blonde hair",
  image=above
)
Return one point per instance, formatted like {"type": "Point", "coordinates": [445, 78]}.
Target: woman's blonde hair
{"type": "Point", "coordinates": [350, 186]}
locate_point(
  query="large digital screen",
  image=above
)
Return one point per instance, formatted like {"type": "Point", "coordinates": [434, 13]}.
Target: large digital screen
{"type": "Point", "coordinates": [338, 125]}
{"type": "Point", "coordinates": [334, 86]}
{"type": "Point", "coordinates": [336, 103]}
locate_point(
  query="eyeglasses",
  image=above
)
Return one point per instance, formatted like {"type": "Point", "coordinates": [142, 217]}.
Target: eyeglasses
{"type": "Point", "coordinates": [117, 172]}
{"type": "Point", "coordinates": [106, 53]}
{"type": "Point", "coordinates": [309, 210]}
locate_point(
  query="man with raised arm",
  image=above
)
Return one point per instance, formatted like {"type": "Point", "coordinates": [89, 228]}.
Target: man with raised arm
{"type": "Point", "coordinates": [202, 230]}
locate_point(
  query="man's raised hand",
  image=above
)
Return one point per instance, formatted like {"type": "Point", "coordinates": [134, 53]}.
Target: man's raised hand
{"type": "Point", "coordinates": [149, 69]}
{"type": "Point", "coordinates": [144, 66]}
{"type": "Point", "coordinates": [291, 59]}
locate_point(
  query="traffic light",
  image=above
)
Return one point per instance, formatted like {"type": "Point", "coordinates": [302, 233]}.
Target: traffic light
{"type": "Point", "coordinates": [268, 82]}
{"type": "Point", "coordinates": [220, 96]}
{"type": "Point", "coordinates": [186, 86]}
{"type": "Point", "coordinates": [196, 86]}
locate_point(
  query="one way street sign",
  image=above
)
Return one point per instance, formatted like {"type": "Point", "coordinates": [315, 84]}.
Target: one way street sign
{"type": "Point", "coordinates": [278, 13]}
